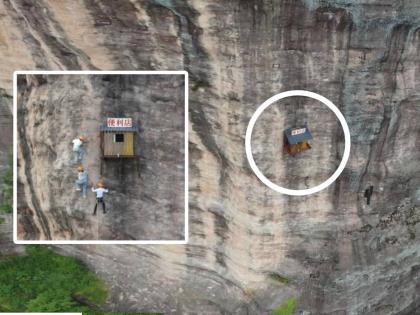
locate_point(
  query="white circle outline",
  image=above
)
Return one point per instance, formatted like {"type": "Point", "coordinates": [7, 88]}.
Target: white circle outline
{"type": "Point", "coordinates": [261, 176]}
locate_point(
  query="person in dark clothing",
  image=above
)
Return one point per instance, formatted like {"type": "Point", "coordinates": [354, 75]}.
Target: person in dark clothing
{"type": "Point", "coordinates": [99, 196]}
{"type": "Point", "coordinates": [368, 194]}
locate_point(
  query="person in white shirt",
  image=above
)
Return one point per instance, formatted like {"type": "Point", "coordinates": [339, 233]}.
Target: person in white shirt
{"type": "Point", "coordinates": [82, 180]}
{"type": "Point", "coordinates": [78, 149]}
{"type": "Point", "coordinates": [99, 196]}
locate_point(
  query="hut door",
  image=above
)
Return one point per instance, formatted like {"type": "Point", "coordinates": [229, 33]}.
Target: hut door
{"type": "Point", "coordinates": [128, 144]}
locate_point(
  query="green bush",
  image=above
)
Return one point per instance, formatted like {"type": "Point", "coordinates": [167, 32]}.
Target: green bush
{"type": "Point", "coordinates": [6, 205]}
{"type": "Point", "coordinates": [199, 84]}
{"type": "Point", "coordinates": [279, 278]}
{"type": "Point", "coordinates": [287, 308]}
{"type": "Point", "coordinates": [43, 281]}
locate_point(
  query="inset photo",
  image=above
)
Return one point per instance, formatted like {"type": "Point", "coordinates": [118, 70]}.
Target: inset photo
{"type": "Point", "coordinates": [101, 157]}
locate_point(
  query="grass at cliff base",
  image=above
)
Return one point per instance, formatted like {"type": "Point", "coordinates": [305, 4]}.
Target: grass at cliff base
{"type": "Point", "coordinates": [43, 281]}
{"type": "Point", "coordinates": [287, 308]}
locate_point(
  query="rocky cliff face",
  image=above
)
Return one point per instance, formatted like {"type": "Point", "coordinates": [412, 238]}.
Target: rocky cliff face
{"type": "Point", "coordinates": [251, 248]}
{"type": "Point", "coordinates": [6, 123]}
{"type": "Point", "coordinates": [146, 198]}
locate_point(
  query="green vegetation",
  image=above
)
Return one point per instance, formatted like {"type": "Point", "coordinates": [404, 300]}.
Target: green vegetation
{"type": "Point", "coordinates": [6, 205]}
{"type": "Point", "coordinates": [43, 281]}
{"type": "Point", "coordinates": [287, 308]}
{"type": "Point", "coordinates": [199, 84]}
{"type": "Point", "coordinates": [279, 278]}
{"type": "Point", "coordinates": [2, 220]}
{"type": "Point", "coordinates": [5, 95]}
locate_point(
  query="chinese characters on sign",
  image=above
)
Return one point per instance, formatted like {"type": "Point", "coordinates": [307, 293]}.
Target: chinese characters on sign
{"type": "Point", "coordinates": [298, 131]}
{"type": "Point", "coordinates": [119, 122]}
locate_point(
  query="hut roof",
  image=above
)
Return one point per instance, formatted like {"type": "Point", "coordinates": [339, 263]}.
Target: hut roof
{"type": "Point", "coordinates": [134, 128]}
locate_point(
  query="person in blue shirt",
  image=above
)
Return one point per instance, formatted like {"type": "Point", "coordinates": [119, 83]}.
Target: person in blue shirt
{"type": "Point", "coordinates": [99, 196]}
{"type": "Point", "coordinates": [82, 180]}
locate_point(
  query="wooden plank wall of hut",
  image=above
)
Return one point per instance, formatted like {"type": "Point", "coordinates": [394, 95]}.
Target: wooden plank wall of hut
{"type": "Point", "coordinates": [112, 148]}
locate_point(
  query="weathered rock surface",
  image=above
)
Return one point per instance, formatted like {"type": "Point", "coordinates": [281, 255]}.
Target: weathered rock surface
{"type": "Point", "coordinates": [340, 256]}
{"type": "Point", "coordinates": [146, 199]}
{"type": "Point", "coordinates": [6, 123]}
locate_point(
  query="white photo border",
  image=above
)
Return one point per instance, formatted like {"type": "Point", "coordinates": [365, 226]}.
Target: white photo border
{"type": "Point", "coordinates": [99, 242]}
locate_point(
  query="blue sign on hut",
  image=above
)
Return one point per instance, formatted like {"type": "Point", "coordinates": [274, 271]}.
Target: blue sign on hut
{"type": "Point", "coordinates": [296, 139]}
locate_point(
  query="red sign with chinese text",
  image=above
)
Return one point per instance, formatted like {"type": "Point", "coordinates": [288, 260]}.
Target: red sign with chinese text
{"type": "Point", "coordinates": [119, 122]}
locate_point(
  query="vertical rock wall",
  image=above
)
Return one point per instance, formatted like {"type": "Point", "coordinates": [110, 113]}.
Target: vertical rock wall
{"type": "Point", "coordinates": [251, 248]}
{"type": "Point", "coordinates": [146, 199]}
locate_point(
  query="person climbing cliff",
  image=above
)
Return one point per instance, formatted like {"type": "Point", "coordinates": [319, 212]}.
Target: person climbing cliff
{"type": "Point", "coordinates": [99, 196]}
{"type": "Point", "coordinates": [82, 180]}
{"type": "Point", "coordinates": [368, 194]}
{"type": "Point", "coordinates": [78, 149]}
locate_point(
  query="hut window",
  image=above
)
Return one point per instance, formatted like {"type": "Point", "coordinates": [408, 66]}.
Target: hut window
{"type": "Point", "coordinates": [119, 137]}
